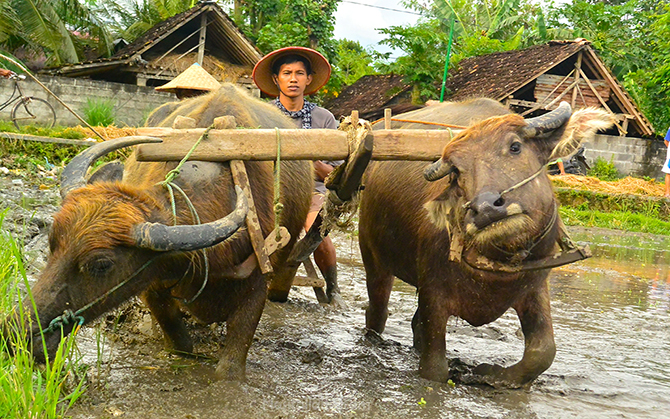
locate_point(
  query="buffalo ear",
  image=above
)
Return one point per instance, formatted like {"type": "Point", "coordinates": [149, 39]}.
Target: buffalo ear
{"type": "Point", "coordinates": [583, 124]}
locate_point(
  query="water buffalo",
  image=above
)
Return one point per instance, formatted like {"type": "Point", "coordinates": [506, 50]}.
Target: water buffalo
{"type": "Point", "coordinates": [113, 240]}
{"type": "Point", "coordinates": [467, 230]}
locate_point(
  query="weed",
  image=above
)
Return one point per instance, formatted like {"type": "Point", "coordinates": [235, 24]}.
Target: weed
{"type": "Point", "coordinates": [604, 170]}
{"type": "Point", "coordinates": [99, 112]}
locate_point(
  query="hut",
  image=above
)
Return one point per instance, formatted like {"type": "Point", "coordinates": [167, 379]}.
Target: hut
{"type": "Point", "coordinates": [204, 34]}
{"type": "Point", "coordinates": [536, 79]}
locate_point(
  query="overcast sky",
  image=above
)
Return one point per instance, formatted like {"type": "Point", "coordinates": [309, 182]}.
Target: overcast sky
{"type": "Point", "coordinates": [355, 21]}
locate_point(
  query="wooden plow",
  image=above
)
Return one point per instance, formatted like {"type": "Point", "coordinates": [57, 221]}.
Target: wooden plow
{"type": "Point", "coordinates": [354, 142]}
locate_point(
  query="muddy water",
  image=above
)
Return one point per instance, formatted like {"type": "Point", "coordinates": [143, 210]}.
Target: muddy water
{"type": "Point", "coordinates": [610, 313]}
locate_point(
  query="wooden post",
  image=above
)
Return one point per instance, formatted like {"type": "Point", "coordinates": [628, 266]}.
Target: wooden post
{"type": "Point", "coordinates": [578, 67]}
{"type": "Point", "coordinates": [203, 35]}
{"type": "Point", "coordinates": [354, 118]}
{"type": "Point", "coordinates": [387, 118]}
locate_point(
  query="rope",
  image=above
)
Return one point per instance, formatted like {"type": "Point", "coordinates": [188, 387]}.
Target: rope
{"type": "Point", "coordinates": [69, 317]}
{"type": "Point", "coordinates": [278, 206]}
{"type": "Point", "coordinates": [170, 185]}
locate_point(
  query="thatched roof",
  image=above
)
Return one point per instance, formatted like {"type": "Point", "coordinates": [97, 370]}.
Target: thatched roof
{"type": "Point", "coordinates": [150, 58]}
{"type": "Point", "coordinates": [370, 94]}
{"type": "Point", "coordinates": [569, 68]}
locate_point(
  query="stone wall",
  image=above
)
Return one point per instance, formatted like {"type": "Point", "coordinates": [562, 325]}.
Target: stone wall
{"type": "Point", "coordinates": [631, 156]}
{"type": "Point", "coordinates": [131, 103]}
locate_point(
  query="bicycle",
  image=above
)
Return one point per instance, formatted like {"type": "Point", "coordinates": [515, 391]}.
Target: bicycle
{"type": "Point", "coordinates": [28, 109]}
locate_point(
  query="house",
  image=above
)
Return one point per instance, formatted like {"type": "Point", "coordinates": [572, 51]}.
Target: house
{"type": "Point", "coordinates": [370, 95]}
{"type": "Point", "coordinates": [203, 34]}
{"type": "Point", "coordinates": [537, 79]}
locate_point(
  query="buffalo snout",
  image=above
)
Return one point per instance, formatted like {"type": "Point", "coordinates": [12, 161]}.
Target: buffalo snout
{"type": "Point", "coordinates": [487, 208]}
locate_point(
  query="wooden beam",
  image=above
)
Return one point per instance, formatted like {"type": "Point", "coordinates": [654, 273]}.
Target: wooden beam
{"type": "Point", "coordinates": [623, 131]}
{"type": "Point", "coordinates": [203, 36]}
{"type": "Point", "coordinates": [578, 69]}
{"type": "Point", "coordinates": [64, 141]}
{"type": "Point", "coordinates": [550, 104]}
{"type": "Point", "coordinates": [629, 107]}
{"type": "Point", "coordinates": [241, 179]}
{"type": "Point", "coordinates": [297, 144]}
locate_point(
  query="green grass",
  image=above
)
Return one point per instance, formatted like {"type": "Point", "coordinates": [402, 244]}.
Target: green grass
{"type": "Point", "coordinates": [615, 220]}
{"type": "Point", "coordinates": [28, 390]}
{"type": "Point", "coordinates": [99, 112]}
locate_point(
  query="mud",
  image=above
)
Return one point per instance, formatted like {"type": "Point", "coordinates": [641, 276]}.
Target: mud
{"type": "Point", "coordinates": [610, 317]}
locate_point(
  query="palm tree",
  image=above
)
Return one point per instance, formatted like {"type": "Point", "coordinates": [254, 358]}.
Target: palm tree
{"type": "Point", "coordinates": [58, 30]}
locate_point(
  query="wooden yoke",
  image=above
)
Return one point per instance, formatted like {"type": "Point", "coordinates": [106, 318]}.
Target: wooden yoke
{"type": "Point", "coordinates": [297, 144]}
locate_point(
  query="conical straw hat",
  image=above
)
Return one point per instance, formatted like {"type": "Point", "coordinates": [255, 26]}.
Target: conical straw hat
{"type": "Point", "coordinates": [194, 78]}
{"type": "Point", "coordinates": [262, 74]}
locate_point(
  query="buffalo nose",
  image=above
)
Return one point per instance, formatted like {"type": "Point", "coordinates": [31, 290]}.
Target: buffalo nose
{"type": "Point", "coordinates": [487, 208]}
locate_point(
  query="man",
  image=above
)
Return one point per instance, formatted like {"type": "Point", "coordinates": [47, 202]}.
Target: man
{"type": "Point", "coordinates": [289, 74]}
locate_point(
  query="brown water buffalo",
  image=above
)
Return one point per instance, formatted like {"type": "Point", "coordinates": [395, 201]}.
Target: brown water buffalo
{"type": "Point", "coordinates": [475, 232]}
{"type": "Point", "coordinates": [111, 241]}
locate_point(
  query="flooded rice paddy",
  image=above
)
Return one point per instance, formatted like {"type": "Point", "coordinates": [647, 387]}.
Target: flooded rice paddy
{"type": "Point", "coordinates": [611, 322]}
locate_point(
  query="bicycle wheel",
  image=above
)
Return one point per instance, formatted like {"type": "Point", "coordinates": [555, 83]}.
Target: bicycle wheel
{"type": "Point", "coordinates": [32, 111]}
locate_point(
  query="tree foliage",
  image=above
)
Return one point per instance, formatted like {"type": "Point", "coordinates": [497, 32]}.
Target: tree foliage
{"type": "Point", "coordinates": [55, 31]}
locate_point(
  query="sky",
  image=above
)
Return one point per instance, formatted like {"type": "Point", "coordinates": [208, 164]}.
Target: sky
{"type": "Point", "coordinates": [357, 22]}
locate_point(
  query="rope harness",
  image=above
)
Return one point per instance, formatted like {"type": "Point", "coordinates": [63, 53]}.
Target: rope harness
{"type": "Point", "coordinates": [278, 206]}
{"type": "Point", "coordinates": [69, 317]}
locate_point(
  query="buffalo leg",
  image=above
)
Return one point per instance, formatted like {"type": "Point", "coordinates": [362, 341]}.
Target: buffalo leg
{"type": "Point", "coordinates": [379, 284]}
{"type": "Point", "coordinates": [432, 328]}
{"type": "Point", "coordinates": [241, 326]}
{"type": "Point", "coordinates": [540, 349]}
{"type": "Point", "coordinates": [166, 312]}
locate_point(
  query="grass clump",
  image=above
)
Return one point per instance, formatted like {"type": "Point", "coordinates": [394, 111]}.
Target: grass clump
{"type": "Point", "coordinates": [28, 390]}
{"type": "Point", "coordinates": [99, 112]}
{"type": "Point", "coordinates": [614, 220]}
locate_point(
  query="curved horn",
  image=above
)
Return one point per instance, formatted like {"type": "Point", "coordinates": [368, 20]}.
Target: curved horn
{"type": "Point", "coordinates": [437, 170]}
{"type": "Point", "coordinates": [73, 175]}
{"type": "Point", "coordinates": [160, 237]}
{"type": "Point", "coordinates": [549, 121]}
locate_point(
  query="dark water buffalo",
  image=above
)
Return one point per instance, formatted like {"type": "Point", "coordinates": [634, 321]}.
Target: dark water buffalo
{"type": "Point", "coordinates": [111, 241]}
{"type": "Point", "coordinates": [463, 230]}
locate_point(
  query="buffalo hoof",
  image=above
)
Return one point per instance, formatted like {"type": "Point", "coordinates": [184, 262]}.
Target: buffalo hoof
{"type": "Point", "coordinates": [483, 374]}
{"type": "Point", "coordinates": [336, 300]}
{"type": "Point", "coordinates": [278, 296]}
{"type": "Point", "coordinates": [230, 371]}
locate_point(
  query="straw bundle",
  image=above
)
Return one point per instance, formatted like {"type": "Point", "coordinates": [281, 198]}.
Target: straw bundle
{"type": "Point", "coordinates": [626, 186]}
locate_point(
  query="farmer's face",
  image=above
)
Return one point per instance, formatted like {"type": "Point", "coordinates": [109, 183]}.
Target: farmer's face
{"type": "Point", "coordinates": [293, 79]}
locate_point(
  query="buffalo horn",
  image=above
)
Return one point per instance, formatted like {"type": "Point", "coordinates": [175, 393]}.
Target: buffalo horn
{"type": "Point", "coordinates": [549, 121]}
{"type": "Point", "coordinates": [74, 174]}
{"type": "Point", "coordinates": [437, 170]}
{"type": "Point", "coordinates": [160, 237]}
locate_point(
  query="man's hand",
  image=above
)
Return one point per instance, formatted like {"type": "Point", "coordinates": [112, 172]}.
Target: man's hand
{"type": "Point", "coordinates": [322, 169]}
{"type": "Point", "coordinates": [6, 73]}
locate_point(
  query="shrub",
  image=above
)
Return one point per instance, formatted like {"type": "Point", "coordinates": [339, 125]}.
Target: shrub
{"type": "Point", "coordinates": [99, 112]}
{"type": "Point", "coordinates": [604, 170]}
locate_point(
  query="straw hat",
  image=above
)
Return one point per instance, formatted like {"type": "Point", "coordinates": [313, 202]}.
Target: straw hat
{"type": "Point", "coordinates": [262, 74]}
{"type": "Point", "coordinates": [193, 78]}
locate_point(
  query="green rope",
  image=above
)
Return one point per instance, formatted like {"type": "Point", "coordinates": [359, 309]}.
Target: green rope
{"type": "Point", "coordinates": [278, 206]}
{"type": "Point", "coordinates": [69, 317]}
{"type": "Point", "coordinates": [170, 186]}
{"type": "Point", "coordinates": [169, 177]}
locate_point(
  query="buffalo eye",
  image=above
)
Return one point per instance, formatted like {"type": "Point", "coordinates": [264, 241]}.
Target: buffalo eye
{"type": "Point", "coordinates": [99, 266]}
{"type": "Point", "coordinates": [515, 147]}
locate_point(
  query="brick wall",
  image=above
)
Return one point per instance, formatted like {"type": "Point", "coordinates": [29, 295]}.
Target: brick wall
{"type": "Point", "coordinates": [631, 156]}
{"type": "Point", "coordinates": [131, 103]}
